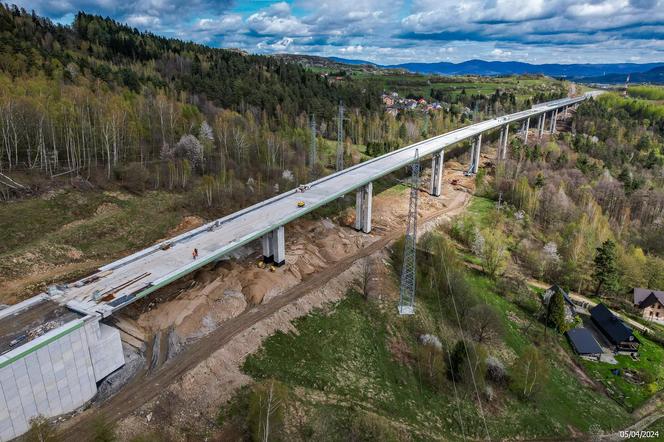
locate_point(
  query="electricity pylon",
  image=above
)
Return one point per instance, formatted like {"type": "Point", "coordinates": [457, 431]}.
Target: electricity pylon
{"type": "Point", "coordinates": [409, 269]}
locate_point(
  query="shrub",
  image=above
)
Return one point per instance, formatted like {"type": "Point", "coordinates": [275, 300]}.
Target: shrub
{"type": "Point", "coordinates": [495, 370]}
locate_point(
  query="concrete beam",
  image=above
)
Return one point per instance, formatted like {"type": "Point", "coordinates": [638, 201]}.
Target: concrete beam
{"type": "Point", "coordinates": [437, 168]}
{"type": "Point", "coordinates": [279, 245]}
{"type": "Point", "coordinates": [274, 246]}
{"type": "Point", "coordinates": [500, 142]}
{"type": "Point", "coordinates": [268, 252]}
{"type": "Point", "coordinates": [363, 201]}
{"type": "Point", "coordinates": [503, 148]}
{"type": "Point", "coordinates": [478, 147]}
{"type": "Point", "coordinates": [552, 121]}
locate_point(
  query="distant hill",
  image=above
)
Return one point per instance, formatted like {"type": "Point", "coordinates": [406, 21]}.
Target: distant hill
{"type": "Point", "coordinates": [655, 75]}
{"type": "Point", "coordinates": [616, 72]}
{"type": "Point", "coordinates": [481, 67]}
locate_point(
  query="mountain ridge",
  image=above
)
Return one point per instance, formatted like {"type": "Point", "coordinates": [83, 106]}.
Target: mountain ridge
{"type": "Point", "coordinates": [484, 67]}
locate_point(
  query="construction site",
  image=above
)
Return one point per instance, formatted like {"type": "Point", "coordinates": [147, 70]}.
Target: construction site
{"type": "Point", "coordinates": [175, 320]}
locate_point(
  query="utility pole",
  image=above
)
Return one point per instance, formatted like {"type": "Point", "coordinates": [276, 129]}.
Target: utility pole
{"type": "Point", "coordinates": [340, 138]}
{"type": "Point", "coordinates": [313, 156]}
{"type": "Point", "coordinates": [409, 269]}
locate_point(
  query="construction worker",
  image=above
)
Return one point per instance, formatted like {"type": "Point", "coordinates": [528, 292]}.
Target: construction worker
{"type": "Point", "coordinates": [194, 254]}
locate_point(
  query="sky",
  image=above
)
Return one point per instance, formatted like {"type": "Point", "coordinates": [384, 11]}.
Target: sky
{"type": "Point", "coordinates": [399, 31]}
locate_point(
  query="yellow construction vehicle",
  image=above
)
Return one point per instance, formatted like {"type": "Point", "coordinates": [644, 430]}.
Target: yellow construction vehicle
{"type": "Point", "coordinates": [300, 204]}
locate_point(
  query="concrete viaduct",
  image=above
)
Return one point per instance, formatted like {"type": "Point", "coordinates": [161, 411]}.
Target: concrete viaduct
{"type": "Point", "coordinates": [54, 348]}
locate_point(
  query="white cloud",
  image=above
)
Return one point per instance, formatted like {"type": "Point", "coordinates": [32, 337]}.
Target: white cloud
{"type": "Point", "coordinates": [401, 31]}
{"type": "Point", "coordinates": [277, 46]}
{"type": "Point", "coordinates": [352, 49]}
{"type": "Point", "coordinates": [499, 53]}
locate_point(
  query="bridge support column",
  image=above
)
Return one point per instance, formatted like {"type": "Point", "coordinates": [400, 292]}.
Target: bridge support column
{"type": "Point", "coordinates": [478, 147]}
{"type": "Point", "coordinates": [500, 142]}
{"type": "Point", "coordinates": [540, 132]}
{"type": "Point", "coordinates": [525, 133]}
{"type": "Point", "coordinates": [552, 121]}
{"type": "Point", "coordinates": [274, 246]}
{"type": "Point", "coordinates": [555, 121]}
{"type": "Point", "coordinates": [503, 148]}
{"type": "Point", "coordinates": [363, 199]}
{"type": "Point", "coordinates": [437, 173]}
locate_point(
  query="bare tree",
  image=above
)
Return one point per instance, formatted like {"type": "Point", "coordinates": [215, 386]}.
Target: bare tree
{"type": "Point", "coordinates": [485, 324]}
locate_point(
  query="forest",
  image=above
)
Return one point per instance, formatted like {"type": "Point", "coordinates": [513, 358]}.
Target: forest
{"type": "Point", "coordinates": [593, 192]}
{"type": "Point", "coordinates": [99, 103]}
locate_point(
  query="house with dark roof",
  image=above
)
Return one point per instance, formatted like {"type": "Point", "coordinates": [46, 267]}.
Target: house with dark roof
{"type": "Point", "coordinates": [570, 308]}
{"type": "Point", "coordinates": [584, 344]}
{"type": "Point", "coordinates": [613, 329]}
{"type": "Point", "coordinates": [650, 303]}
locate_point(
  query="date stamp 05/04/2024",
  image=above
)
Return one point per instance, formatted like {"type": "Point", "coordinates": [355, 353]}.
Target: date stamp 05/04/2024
{"type": "Point", "coordinates": [639, 434]}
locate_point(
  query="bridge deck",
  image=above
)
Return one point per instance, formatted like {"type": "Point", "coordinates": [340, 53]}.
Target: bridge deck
{"type": "Point", "coordinates": [122, 282]}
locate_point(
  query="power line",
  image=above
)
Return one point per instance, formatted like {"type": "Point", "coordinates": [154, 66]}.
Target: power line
{"type": "Point", "coordinates": [463, 340]}
{"type": "Point", "coordinates": [449, 360]}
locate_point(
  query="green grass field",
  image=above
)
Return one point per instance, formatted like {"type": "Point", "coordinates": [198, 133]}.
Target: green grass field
{"type": "Point", "coordinates": [344, 356]}
{"type": "Point", "coordinates": [631, 395]}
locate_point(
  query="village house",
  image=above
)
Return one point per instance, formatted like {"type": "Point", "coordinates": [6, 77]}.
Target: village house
{"type": "Point", "coordinates": [614, 330]}
{"type": "Point", "coordinates": [388, 100]}
{"type": "Point", "coordinates": [584, 344]}
{"type": "Point", "coordinates": [650, 303]}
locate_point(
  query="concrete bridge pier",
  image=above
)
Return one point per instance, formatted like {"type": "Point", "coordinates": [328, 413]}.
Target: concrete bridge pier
{"type": "Point", "coordinates": [503, 147]}
{"type": "Point", "coordinates": [476, 152]}
{"type": "Point", "coordinates": [540, 131]}
{"type": "Point", "coordinates": [363, 199]}
{"type": "Point", "coordinates": [525, 132]}
{"type": "Point", "coordinates": [500, 142]}
{"type": "Point", "coordinates": [437, 173]}
{"type": "Point", "coordinates": [552, 123]}
{"type": "Point", "coordinates": [274, 246]}
{"type": "Point", "coordinates": [472, 155]}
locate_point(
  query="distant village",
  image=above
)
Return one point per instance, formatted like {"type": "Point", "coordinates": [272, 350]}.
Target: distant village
{"type": "Point", "coordinates": [395, 104]}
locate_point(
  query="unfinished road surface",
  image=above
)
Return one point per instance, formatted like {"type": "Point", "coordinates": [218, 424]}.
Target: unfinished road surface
{"type": "Point", "coordinates": [124, 281]}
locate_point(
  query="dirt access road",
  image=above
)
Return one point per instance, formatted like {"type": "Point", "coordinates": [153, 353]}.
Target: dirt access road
{"type": "Point", "coordinates": [147, 385]}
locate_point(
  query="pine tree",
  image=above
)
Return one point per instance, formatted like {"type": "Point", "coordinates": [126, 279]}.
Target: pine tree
{"type": "Point", "coordinates": [606, 268]}
{"type": "Point", "coordinates": [557, 312]}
